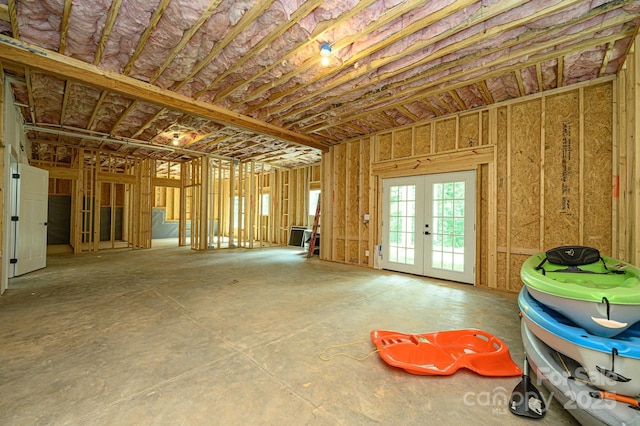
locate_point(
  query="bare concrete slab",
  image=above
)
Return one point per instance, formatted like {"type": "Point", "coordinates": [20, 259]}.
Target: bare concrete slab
{"type": "Point", "coordinates": [173, 336]}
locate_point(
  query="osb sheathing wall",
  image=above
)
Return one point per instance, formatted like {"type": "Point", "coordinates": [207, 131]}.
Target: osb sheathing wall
{"type": "Point", "coordinates": [627, 154]}
{"type": "Point", "coordinates": [545, 169]}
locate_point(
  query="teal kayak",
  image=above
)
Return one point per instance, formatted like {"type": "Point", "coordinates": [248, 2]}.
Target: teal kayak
{"type": "Point", "coordinates": [612, 364]}
{"type": "Point", "coordinates": [602, 296]}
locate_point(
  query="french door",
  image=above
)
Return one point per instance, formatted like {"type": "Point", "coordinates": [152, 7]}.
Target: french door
{"type": "Point", "coordinates": [428, 225]}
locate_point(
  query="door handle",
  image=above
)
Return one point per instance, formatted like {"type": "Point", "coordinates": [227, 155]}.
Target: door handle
{"type": "Point", "coordinates": [427, 233]}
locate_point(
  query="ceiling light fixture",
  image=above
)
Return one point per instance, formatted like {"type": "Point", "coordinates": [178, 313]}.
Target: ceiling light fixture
{"type": "Point", "coordinates": [176, 138]}
{"type": "Point", "coordinates": [325, 52]}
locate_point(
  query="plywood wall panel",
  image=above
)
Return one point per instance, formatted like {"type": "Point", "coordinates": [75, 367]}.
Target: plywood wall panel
{"type": "Point", "coordinates": [545, 177]}
{"type": "Point", "coordinates": [501, 268]}
{"type": "Point", "coordinates": [423, 139]}
{"type": "Point", "coordinates": [353, 252]}
{"type": "Point", "coordinates": [515, 283]}
{"type": "Point", "coordinates": [445, 139]}
{"type": "Point", "coordinates": [525, 175]}
{"type": "Point", "coordinates": [469, 131]}
{"type": "Point", "coordinates": [385, 147]}
{"type": "Point", "coordinates": [598, 167]}
{"type": "Point", "coordinates": [340, 250]}
{"type": "Point", "coordinates": [562, 170]}
{"type": "Point", "coordinates": [402, 143]}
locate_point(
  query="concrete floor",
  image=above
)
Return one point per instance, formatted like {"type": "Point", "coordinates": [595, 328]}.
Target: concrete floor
{"type": "Point", "coordinates": [172, 336]}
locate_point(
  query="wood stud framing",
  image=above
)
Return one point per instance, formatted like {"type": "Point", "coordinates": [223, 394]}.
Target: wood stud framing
{"type": "Point", "coordinates": [531, 157]}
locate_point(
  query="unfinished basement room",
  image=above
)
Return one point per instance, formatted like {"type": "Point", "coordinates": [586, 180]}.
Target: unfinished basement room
{"type": "Point", "coordinates": [319, 212]}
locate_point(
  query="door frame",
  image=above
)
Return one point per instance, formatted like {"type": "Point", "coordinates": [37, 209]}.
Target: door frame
{"type": "Point", "coordinates": [421, 181]}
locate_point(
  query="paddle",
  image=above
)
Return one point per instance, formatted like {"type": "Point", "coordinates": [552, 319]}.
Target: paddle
{"type": "Point", "coordinates": [525, 399]}
{"type": "Point", "coordinates": [633, 403]}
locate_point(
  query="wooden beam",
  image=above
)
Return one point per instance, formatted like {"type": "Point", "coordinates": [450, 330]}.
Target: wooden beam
{"type": "Point", "coordinates": [157, 14]}
{"type": "Point", "coordinates": [434, 163]}
{"type": "Point", "coordinates": [384, 20]}
{"type": "Point", "coordinates": [186, 36]}
{"type": "Point", "coordinates": [458, 99]}
{"type": "Point", "coordinates": [60, 172]}
{"type": "Point", "coordinates": [433, 89]}
{"type": "Point", "coordinates": [4, 13]}
{"type": "Point", "coordinates": [247, 18]}
{"type": "Point", "coordinates": [64, 25]}
{"type": "Point", "coordinates": [50, 62]}
{"type": "Point", "coordinates": [13, 17]}
{"type": "Point", "coordinates": [295, 17]}
{"type": "Point", "coordinates": [106, 31]}
{"type": "Point", "coordinates": [518, 74]}
{"type": "Point", "coordinates": [560, 71]}
{"type": "Point", "coordinates": [529, 50]}
{"type": "Point", "coordinates": [539, 76]}
{"type": "Point", "coordinates": [605, 60]}
{"type": "Point", "coordinates": [484, 91]}
{"type": "Point", "coordinates": [149, 122]}
{"type": "Point", "coordinates": [407, 113]}
{"type": "Point", "coordinates": [322, 28]}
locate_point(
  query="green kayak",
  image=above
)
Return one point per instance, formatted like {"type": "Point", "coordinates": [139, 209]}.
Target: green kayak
{"type": "Point", "coordinates": [599, 293]}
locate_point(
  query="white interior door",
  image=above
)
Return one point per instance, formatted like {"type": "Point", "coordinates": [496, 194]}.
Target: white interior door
{"type": "Point", "coordinates": [428, 225]}
{"type": "Point", "coordinates": [30, 247]}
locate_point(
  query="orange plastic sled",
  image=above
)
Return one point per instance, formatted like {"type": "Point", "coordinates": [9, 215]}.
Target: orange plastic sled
{"type": "Point", "coordinates": [445, 352]}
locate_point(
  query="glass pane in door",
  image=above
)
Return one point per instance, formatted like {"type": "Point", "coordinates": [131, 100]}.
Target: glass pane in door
{"type": "Point", "coordinates": [447, 246]}
{"type": "Point", "coordinates": [402, 212]}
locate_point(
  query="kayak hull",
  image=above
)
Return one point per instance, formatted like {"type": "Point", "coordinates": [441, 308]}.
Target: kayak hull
{"type": "Point", "coordinates": [592, 316]}
{"type": "Point", "coordinates": [612, 364]}
{"type": "Point", "coordinates": [603, 299]}
{"type": "Point", "coordinates": [551, 368]}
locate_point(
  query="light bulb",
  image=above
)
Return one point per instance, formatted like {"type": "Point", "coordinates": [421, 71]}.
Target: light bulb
{"type": "Point", "coordinates": [325, 50]}
{"type": "Point", "coordinates": [324, 61]}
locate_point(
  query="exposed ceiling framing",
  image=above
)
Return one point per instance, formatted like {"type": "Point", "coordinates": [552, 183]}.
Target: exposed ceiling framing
{"type": "Point", "coordinates": [244, 80]}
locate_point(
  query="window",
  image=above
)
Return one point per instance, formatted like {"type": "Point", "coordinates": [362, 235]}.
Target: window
{"type": "Point", "coordinates": [265, 204]}
{"type": "Point", "coordinates": [313, 201]}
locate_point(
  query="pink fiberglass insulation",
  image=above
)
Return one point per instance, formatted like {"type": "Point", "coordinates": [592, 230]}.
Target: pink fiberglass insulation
{"type": "Point", "coordinates": [232, 52]}
{"type": "Point", "coordinates": [133, 18]}
{"type": "Point", "coordinates": [503, 87]}
{"type": "Point", "coordinates": [87, 20]}
{"type": "Point", "coordinates": [529, 78]}
{"type": "Point", "coordinates": [39, 22]}
{"type": "Point", "coordinates": [108, 113]}
{"type": "Point", "coordinates": [138, 117]}
{"type": "Point", "coordinates": [579, 67]}
{"type": "Point", "coordinates": [420, 110]}
{"type": "Point", "coordinates": [179, 16]}
{"type": "Point", "coordinates": [80, 105]}
{"type": "Point", "coordinates": [471, 96]}
{"type": "Point", "coordinates": [549, 70]}
{"type": "Point", "coordinates": [48, 95]}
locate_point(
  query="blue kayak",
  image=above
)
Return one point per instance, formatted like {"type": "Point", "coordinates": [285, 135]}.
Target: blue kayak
{"type": "Point", "coordinates": [612, 364]}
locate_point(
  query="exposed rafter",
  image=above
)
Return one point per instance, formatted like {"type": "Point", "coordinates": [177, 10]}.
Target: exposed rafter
{"type": "Point", "coordinates": [56, 64]}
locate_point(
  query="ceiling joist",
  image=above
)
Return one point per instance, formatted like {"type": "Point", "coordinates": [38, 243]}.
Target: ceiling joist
{"type": "Point", "coordinates": [65, 67]}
